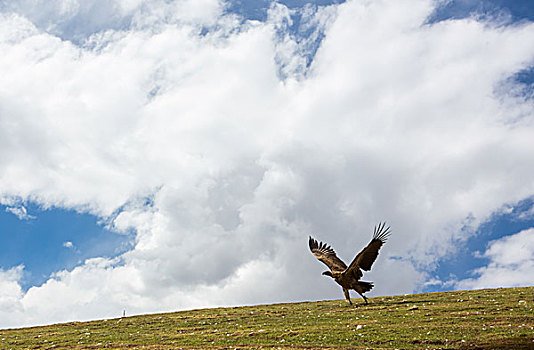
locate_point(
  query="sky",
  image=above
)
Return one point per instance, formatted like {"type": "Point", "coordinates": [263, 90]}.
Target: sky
{"type": "Point", "coordinates": [162, 155]}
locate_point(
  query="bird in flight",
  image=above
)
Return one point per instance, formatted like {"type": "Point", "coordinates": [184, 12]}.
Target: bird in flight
{"type": "Point", "coordinates": [349, 277]}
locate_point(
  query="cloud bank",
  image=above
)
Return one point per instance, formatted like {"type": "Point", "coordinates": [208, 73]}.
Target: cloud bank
{"type": "Point", "coordinates": [215, 141]}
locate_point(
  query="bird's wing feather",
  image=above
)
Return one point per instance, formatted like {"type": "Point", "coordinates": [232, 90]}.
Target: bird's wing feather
{"type": "Point", "coordinates": [365, 259]}
{"type": "Point", "coordinates": [325, 254]}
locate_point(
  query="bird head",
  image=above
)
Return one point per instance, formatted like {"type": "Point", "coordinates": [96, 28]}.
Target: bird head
{"type": "Point", "coordinates": [328, 273]}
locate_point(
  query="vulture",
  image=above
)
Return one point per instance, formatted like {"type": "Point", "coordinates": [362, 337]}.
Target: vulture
{"type": "Point", "coordinates": [349, 277]}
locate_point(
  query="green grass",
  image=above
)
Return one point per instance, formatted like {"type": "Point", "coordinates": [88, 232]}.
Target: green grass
{"type": "Point", "coordinates": [478, 319]}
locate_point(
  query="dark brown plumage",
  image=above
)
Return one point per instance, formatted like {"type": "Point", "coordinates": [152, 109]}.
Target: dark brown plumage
{"type": "Point", "coordinates": [349, 277]}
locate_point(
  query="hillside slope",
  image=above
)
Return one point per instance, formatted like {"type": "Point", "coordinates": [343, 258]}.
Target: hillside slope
{"type": "Point", "coordinates": [479, 319]}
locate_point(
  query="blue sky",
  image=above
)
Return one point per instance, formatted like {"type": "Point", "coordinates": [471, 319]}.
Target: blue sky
{"type": "Point", "coordinates": [50, 240]}
{"type": "Point", "coordinates": [143, 139]}
{"type": "Point", "coordinates": [468, 256]}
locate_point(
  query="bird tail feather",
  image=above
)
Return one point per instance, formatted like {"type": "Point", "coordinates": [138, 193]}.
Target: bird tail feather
{"type": "Point", "coordinates": [365, 286]}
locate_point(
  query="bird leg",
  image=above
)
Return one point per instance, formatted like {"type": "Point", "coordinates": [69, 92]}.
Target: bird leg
{"type": "Point", "coordinates": [347, 296]}
{"type": "Point", "coordinates": [364, 298]}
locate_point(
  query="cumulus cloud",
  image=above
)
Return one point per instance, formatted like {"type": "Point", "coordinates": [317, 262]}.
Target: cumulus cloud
{"type": "Point", "coordinates": [244, 149]}
{"type": "Point", "coordinates": [511, 263]}
{"type": "Point", "coordinates": [10, 291]}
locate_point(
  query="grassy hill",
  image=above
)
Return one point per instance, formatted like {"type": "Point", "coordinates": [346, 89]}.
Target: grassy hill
{"type": "Point", "coordinates": [478, 319]}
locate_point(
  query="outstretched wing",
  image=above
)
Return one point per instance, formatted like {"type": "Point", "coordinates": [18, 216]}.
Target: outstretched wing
{"type": "Point", "coordinates": [326, 255]}
{"type": "Point", "coordinates": [365, 259]}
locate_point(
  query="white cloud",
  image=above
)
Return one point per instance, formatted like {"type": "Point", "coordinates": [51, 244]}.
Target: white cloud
{"type": "Point", "coordinates": [14, 206]}
{"type": "Point", "coordinates": [10, 291]}
{"type": "Point", "coordinates": [20, 212]}
{"type": "Point", "coordinates": [511, 263]}
{"type": "Point", "coordinates": [395, 120]}
{"type": "Point", "coordinates": [77, 20]}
